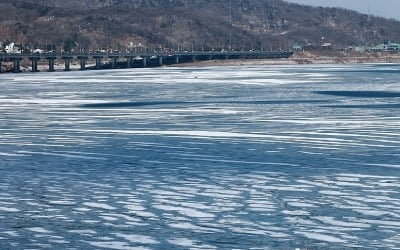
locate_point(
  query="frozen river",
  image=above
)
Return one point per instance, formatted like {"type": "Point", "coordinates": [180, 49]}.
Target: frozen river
{"type": "Point", "coordinates": [254, 157]}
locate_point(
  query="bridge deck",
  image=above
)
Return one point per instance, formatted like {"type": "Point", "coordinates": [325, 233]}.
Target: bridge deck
{"type": "Point", "coordinates": [130, 57]}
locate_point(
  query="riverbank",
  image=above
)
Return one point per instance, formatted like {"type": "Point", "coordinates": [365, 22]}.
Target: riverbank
{"type": "Point", "coordinates": [320, 57]}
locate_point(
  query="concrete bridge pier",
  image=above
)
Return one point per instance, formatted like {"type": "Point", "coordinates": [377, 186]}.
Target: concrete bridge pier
{"type": "Point", "coordinates": [51, 61]}
{"type": "Point", "coordinates": [98, 61]}
{"type": "Point", "coordinates": [194, 59]}
{"type": "Point", "coordinates": [144, 62]}
{"type": "Point", "coordinates": [34, 61]}
{"type": "Point", "coordinates": [160, 61]}
{"type": "Point", "coordinates": [176, 59]}
{"type": "Point", "coordinates": [114, 61]}
{"type": "Point", "coordinates": [67, 62]}
{"type": "Point", "coordinates": [17, 64]}
{"type": "Point", "coordinates": [129, 61]}
{"type": "Point", "coordinates": [82, 61]}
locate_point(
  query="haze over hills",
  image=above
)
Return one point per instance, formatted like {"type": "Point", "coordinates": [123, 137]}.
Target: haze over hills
{"type": "Point", "coordinates": [186, 24]}
{"type": "Point", "coordinates": [384, 8]}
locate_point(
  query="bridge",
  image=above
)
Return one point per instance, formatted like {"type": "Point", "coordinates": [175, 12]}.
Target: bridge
{"type": "Point", "coordinates": [130, 59]}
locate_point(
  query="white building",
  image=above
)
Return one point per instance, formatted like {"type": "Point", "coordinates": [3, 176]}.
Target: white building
{"type": "Point", "coordinates": [11, 48]}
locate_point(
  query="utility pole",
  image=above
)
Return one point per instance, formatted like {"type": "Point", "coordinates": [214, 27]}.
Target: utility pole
{"type": "Point", "coordinates": [231, 22]}
{"type": "Point", "coordinates": [369, 15]}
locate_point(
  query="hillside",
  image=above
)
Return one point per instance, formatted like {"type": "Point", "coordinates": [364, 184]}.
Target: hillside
{"type": "Point", "coordinates": [186, 24]}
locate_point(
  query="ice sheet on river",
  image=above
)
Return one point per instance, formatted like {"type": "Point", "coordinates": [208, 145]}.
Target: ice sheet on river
{"type": "Point", "coordinates": [201, 158]}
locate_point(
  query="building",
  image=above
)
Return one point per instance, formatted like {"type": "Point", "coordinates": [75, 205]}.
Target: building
{"type": "Point", "coordinates": [387, 46]}
{"type": "Point", "coordinates": [11, 48]}
{"type": "Point", "coordinates": [297, 47]}
{"type": "Point", "coordinates": [326, 45]}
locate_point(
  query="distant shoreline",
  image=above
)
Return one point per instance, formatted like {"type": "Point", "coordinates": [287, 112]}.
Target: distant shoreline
{"type": "Point", "coordinates": [304, 58]}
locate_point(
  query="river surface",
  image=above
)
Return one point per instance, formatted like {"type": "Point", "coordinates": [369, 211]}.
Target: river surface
{"type": "Point", "coordinates": [250, 157]}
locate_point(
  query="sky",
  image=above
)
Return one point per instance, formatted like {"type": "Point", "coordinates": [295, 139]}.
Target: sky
{"type": "Point", "coordinates": [385, 8]}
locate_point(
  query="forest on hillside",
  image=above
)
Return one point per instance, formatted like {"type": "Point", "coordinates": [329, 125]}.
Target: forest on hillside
{"type": "Point", "coordinates": [186, 25]}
